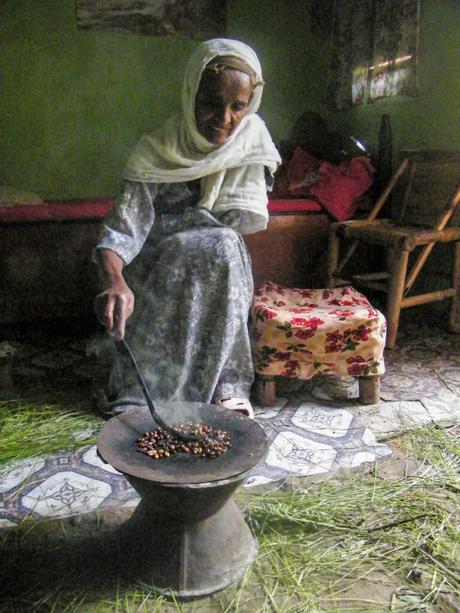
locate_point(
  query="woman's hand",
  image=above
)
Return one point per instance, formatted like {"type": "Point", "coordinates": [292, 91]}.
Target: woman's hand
{"type": "Point", "coordinates": [115, 304]}
{"type": "Point", "coordinates": [113, 307]}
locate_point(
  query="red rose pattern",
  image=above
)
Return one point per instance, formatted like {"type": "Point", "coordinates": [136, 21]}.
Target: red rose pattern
{"type": "Point", "coordinates": [316, 317]}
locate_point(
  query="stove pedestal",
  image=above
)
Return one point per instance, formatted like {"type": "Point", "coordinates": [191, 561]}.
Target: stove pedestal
{"type": "Point", "coordinates": [188, 547]}
{"type": "Point", "coordinates": [186, 537]}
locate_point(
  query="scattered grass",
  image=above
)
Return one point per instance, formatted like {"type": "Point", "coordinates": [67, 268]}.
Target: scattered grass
{"type": "Point", "coordinates": [320, 544]}
{"type": "Point", "coordinates": [324, 544]}
{"type": "Point", "coordinates": [29, 429]}
{"type": "Point", "coordinates": [362, 544]}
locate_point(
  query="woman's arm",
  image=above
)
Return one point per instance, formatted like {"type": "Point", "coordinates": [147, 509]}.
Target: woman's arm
{"type": "Point", "coordinates": [123, 234]}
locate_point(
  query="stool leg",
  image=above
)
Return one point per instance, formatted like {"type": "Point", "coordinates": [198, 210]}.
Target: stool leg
{"type": "Point", "coordinates": [369, 389]}
{"type": "Point", "coordinates": [397, 268]}
{"type": "Point", "coordinates": [454, 320]}
{"type": "Point", "coordinates": [265, 390]}
{"type": "Point", "coordinates": [332, 256]}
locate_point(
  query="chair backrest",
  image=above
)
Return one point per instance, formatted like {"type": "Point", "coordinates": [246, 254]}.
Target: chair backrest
{"type": "Point", "coordinates": [432, 179]}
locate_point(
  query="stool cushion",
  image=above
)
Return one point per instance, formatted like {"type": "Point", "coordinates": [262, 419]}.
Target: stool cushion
{"type": "Point", "coordinates": [299, 333]}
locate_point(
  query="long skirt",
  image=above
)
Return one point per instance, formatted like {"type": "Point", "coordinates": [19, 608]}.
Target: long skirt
{"type": "Point", "coordinates": [193, 290]}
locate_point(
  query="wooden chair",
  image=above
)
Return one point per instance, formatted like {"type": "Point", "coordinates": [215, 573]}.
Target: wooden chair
{"type": "Point", "coordinates": [427, 201]}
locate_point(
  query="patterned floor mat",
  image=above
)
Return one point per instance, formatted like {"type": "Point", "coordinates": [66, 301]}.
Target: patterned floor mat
{"type": "Point", "coordinates": [304, 441]}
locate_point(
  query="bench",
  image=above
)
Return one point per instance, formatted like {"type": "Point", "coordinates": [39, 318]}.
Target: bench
{"type": "Point", "coordinates": [45, 260]}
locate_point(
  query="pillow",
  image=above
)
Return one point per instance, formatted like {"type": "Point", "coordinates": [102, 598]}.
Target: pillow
{"type": "Point", "coordinates": [340, 186]}
{"type": "Point", "coordinates": [337, 187]}
{"type": "Point", "coordinates": [295, 176]}
{"type": "Point", "coordinates": [9, 196]}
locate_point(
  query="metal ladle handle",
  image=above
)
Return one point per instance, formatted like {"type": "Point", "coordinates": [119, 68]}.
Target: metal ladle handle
{"type": "Point", "coordinates": [98, 309]}
{"type": "Point", "coordinates": [182, 435]}
{"type": "Point", "coordinates": [127, 351]}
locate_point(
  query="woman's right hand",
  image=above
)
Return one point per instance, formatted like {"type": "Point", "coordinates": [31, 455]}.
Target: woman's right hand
{"type": "Point", "coordinates": [115, 304]}
{"type": "Point", "coordinates": [113, 307]}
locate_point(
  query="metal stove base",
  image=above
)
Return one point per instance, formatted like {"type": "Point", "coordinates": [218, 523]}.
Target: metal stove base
{"type": "Point", "coordinates": [187, 537]}
{"type": "Point", "coordinates": [187, 557]}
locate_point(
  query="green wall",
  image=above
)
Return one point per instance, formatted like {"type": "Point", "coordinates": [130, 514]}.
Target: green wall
{"type": "Point", "coordinates": [74, 103]}
{"type": "Point", "coordinates": [432, 119]}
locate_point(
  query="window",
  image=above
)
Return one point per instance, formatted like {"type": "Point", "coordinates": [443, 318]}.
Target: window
{"type": "Point", "coordinates": [374, 50]}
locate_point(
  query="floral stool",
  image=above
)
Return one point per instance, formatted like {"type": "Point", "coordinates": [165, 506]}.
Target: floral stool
{"type": "Point", "coordinates": [300, 333]}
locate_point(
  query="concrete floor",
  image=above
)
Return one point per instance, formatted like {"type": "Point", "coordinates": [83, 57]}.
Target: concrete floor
{"type": "Point", "coordinates": [316, 431]}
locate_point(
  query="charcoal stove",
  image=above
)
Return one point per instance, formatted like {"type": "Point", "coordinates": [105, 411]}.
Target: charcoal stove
{"type": "Point", "coordinates": [187, 530]}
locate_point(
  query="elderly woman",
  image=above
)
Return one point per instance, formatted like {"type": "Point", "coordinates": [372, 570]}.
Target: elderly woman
{"type": "Point", "coordinates": [175, 268]}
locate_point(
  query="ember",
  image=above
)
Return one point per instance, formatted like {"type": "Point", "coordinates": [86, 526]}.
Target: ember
{"type": "Point", "coordinates": [161, 443]}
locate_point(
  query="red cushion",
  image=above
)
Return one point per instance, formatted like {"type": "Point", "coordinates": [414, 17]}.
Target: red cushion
{"type": "Point", "coordinates": [293, 178]}
{"type": "Point", "coordinates": [337, 187]}
{"type": "Point", "coordinates": [340, 186]}
{"type": "Point", "coordinates": [63, 210]}
{"type": "Point", "coordinates": [97, 208]}
{"type": "Point", "coordinates": [292, 205]}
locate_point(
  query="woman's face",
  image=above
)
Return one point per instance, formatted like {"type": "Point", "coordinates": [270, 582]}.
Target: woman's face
{"type": "Point", "coordinates": [221, 103]}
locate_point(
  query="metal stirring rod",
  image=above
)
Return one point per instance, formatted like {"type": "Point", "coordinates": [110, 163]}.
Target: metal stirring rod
{"type": "Point", "coordinates": [99, 309]}
{"type": "Point", "coordinates": [182, 435]}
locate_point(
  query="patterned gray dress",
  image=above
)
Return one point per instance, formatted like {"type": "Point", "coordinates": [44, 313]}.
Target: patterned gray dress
{"type": "Point", "coordinates": [191, 276]}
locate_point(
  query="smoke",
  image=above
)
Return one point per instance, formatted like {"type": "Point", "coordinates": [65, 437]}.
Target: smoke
{"type": "Point", "coordinates": [176, 412]}
{"type": "Point", "coordinates": [175, 399]}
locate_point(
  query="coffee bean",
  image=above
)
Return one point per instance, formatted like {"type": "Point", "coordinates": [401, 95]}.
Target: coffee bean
{"type": "Point", "coordinates": [162, 444]}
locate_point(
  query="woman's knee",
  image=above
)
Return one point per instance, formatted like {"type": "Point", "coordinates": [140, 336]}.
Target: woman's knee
{"type": "Point", "coordinates": [214, 242]}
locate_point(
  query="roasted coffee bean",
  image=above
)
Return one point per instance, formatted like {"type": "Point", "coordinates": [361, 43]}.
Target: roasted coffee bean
{"type": "Point", "coordinates": [162, 444]}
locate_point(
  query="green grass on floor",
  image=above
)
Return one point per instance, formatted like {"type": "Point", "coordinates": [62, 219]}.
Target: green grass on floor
{"type": "Point", "coordinates": [29, 429]}
{"type": "Point", "coordinates": [360, 544]}
{"type": "Point", "coordinates": [366, 540]}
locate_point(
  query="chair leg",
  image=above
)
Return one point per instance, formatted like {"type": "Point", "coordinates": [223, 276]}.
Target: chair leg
{"type": "Point", "coordinates": [397, 269]}
{"type": "Point", "coordinates": [454, 319]}
{"type": "Point", "coordinates": [369, 389]}
{"type": "Point", "coordinates": [265, 390]}
{"type": "Point", "coordinates": [332, 256]}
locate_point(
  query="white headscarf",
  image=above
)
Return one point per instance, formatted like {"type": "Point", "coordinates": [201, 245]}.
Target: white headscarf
{"type": "Point", "coordinates": [177, 151]}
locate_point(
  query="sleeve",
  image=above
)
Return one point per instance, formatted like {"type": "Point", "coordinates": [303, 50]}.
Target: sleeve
{"type": "Point", "coordinates": [244, 189]}
{"type": "Point", "coordinates": [127, 226]}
